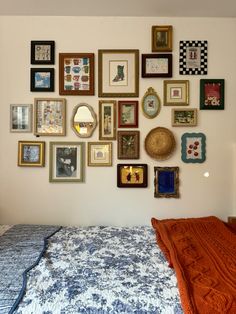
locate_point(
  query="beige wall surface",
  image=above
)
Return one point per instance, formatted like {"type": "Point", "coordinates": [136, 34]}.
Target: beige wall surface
{"type": "Point", "coordinates": [26, 196]}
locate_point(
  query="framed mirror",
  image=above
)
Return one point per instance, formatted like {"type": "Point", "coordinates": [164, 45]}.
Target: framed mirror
{"type": "Point", "coordinates": [151, 103]}
{"type": "Point", "coordinates": [84, 120]}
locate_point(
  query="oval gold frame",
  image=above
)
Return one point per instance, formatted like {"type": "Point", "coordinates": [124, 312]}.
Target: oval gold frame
{"type": "Point", "coordinates": [149, 92]}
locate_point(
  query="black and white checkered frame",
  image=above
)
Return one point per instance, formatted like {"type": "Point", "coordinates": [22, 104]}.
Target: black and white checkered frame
{"type": "Point", "coordinates": [183, 69]}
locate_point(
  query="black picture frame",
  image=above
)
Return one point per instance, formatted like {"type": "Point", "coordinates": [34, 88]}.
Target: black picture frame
{"type": "Point", "coordinates": [42, 52]}
{"type": "Point", "coordinates": [212, 94]}
{"type": "Point", "coordinates": [153, 65]}
{"type": "Point", "coordinates": [39, 82]}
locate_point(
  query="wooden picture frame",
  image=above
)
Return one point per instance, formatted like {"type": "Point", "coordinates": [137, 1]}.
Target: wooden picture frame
{"type": "Point", "coordinates": [128, 144]}
{"type": "Point", "coordinates": [151, 103]}
{"type": "Point", "coordinates": [76, 74]}
{"type": "Point", "coordinates": [31, 154]}
{"type": "Point", "coordinates": [66, 162]}
{"type": "Point", "coordinates": [166, 182]}
{"type": "Point", "coordinates": [21, 118]}
{"type": "Point", "coordinates": [212, 94]}
{"type": "Point", "coordinates": [128, 114]}
{"type": "Point", "coordinates": [118, 73]}
{"type": "Point", "coordinates": [99, 154]}
{"type": "Point", "coordinates": [50, 116]}
{"type": "Point", "coordinates": [132, 175]}
{"type": "Point", "coordinates": [42, 52]}
{"type": "Point", "coordinates": [176, 92]}
{"type": "Point", "coordinates": [184, 117]}
{"type": "Point", "coordinates": [42, 80]}
{"type": "Point", "coordinates": [162, 38]}
{"type": "Point", "coordinates": [193, 147]}
{"type": "Point", "coordinates": [107, 120]}
{"type": "Point", "coordinates": [156, 65]}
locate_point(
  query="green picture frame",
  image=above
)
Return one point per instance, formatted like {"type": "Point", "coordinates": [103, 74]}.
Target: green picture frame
{"type": "Point", "coordinates": [193, 147]}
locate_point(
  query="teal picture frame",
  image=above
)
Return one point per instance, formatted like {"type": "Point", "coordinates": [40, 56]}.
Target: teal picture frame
{"type": "Point", "coordinates": [212, 94]}
{"type": "Point", "coordinates": [193, 147]}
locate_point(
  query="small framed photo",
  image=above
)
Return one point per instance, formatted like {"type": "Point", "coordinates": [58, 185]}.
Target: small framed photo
{"type": "Point", "coordinates": [151, 103]}
{"type": "Point", "coordinates": [176, 93]}
{"type": "Point", "coordinates": [42, 80]}
{"type": "Point", "coordinates": [99, 154]}
{"type": "Point", "coordinates": [66, 162]}
{"type": "Point", "coordinates": [132, 175]}
{"type": "Point", "coordinates": [212, 94]}
{"type": "Point", "coordinates": [76, 74]}
{"type": "Point", "coordinates": [118, 73]}
{"type": "Point", "coordinates": [50, 116]}
{"type": "Point", "coordinates": [166, 182]}
{"type": "Point", "coordinates": [31, 154]}
{"type": "Point", "coordinates": [107, 120]}
{"type": "Point", "coordinates": [157, 65]}
{"type": "Point", "coordinates": [42, 52]}
{"type": "Point", "coordinates": [193, 57]}
{"type": "Point", "coordinates": [128, 144]}
{"type": "Point", "coordinates": [128, 114]}
{"type": "Point", "coordinates": [184, 117]}
{"type": "Point", "coordinates": [193, 147]}
{"type": "Point", "coordinates": [21, 118]}
{"type": "Point", "coordinates": [162, 38]}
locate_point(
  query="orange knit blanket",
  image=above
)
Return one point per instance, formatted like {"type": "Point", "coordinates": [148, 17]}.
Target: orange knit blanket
{"type": "Point", "coordinates": [203, 254]}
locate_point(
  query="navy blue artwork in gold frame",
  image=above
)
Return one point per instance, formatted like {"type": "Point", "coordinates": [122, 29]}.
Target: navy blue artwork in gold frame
{"type": "Point", "coordinates": [166, 182]}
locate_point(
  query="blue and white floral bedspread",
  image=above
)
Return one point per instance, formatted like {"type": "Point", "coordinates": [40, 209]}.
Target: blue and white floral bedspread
{"type": "Point", "coordinates": [101, 270]}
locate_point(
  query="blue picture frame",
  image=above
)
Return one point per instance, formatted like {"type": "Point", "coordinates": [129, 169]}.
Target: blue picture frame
{"type": "Point", "coordinates": [166, 182]}
{"type": "Point", "coordinates": [42, 80]}
{"type": "Point", "coordinates": [193, 147]}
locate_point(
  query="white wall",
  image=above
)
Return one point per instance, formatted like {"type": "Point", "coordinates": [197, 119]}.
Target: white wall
{"type": "Point", "coordinates": [26, 196]}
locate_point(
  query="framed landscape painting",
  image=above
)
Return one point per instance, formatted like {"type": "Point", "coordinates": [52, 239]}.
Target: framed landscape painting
{"type": "Point", "coordinates": [128, 114]}
{"type": "Point", "coordinates": [21, 118]}
{"type": "Point", "coordinates": [31, 154]}
{"type": "Point", "coordinates": [212, 94]}
{"type": "Point", "coordinates": [184, 117]}
{"type": "Point", "coordinates": [132, 175]}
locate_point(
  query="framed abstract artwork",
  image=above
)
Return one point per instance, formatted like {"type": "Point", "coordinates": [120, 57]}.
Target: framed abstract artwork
{"type": "Point", "coordinates": [42, 52]}
{"type": "Point", "coordinates": [184, 117]}
{"type": "Point", "coordinates": [21, 118]}
{"type": "Point", "coordinates": [107, 120]}
{"type": "Point", "coordinates": [128, 144]}
{"type": "Point", "coordinates": [176, 92]}
{"type": "Point", "coordinates": [193, 147]}
{"type": "Point", "coordinates": [128, 114]}
{"type": "Point", "coordinates": [212, 94]}
{"type": "Point", "coordinates": [31, 154]}
{"type": "Point", "coordinates": [132, 175]}
{"type": "Point", "coordinates": [166, 182]}
{"type": "Point", "coordinates": [157, 65]}
{"type": "Point", "coordinates": [151, 103]}
{"type": "Point", "coordinates": [99, 154]}
{"type": "Point", "coordinates": [162, 38]}
{"type": "Point", "coordinates": [42, 80]}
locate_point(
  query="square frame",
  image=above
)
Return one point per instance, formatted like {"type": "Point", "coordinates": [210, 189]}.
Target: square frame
{"type": "Point", "coordinates": [162, 38]}
{"type": "Point", "coordinates": [66, 162]}
{"type": "Point", "coordinates": [31, 154]}
{"type": "Point", "coordinates": [128, 144]}
{"type": "Point", "coordinates": [184, 117]}
{"type": "Point", "coordinates": [212, 94]}
{"type": "Point", "coordinates": [166, 182]}
{"type": "Point", "coordinates": [41, 80]}
{"type": "Point", "coordinates": [132, 175]}
{"type": "Point", "coordinates": [157, 65]}
{"type": "Point", "coordinates": [21, 118]}
{"type": "Point", "coordinates": [128, 114]}
{"type": "Point", "coordinates": [42, 52]}
{"type": "Point", "coordinates": [99, 154]}
{"type": "Point", "coordinates": [193, 147]}
{"type": "Point", "coordinates": [107, 119]}
{"type": "Point", "coordinates": [176, 92]}
{"type": "Point", "coordinates": [76, 74]}
{"type": "Point", "coordinates": [49, 116]}
{"type": "Point", "coordinates": [118, 73]}
{"type": "Point", "coordinates": [193, 57]}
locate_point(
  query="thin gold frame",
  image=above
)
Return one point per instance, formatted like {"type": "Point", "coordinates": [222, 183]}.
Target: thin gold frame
{"type": "Point", "coordinates": [162, 28]}
{"type": "Point", "coordinates": [151, 92]}
{"type": "Point", "coordinates": [176, 83]}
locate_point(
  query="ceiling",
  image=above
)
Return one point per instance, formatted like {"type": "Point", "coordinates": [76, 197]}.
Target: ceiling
{"type": "Point", "coordinates": [158, 8]}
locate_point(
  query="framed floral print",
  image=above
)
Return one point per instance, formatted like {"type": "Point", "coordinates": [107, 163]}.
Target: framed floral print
{"type": "Point", "coordinates": [162, 38]}
{"type": "Point", "coordinates": [132, 175]}
{"type": "Point", "coordinates": [21, 118]}
{"type": "Point", "coordinates": [99, 154]}
{"type": "Point", "coordinates": [176, 92]}
{"type": "Point", "coordinates": [156, 65]}
{"type": "Point", "coordinates": [118, 73]}
{"type": "Point", "coordinates": [42, 80]}
{"type": "Point", "coordinates": [184, 117]}
{"type": "Point", "coordinates": [128, 144]}
{"type": "Point", "coordinates": [31, 154]}
{"type": "Point", "coordinates": [128, 114]}
{"type": "Point", "coordinates": [166, 182]}
{"type": "Point", "coordinates": [107, 120]}
{"type": "Point", "coordinates": [151, 103]}
{"type": "Point", "coordinates": [212, 94]}
{"type": "Point", "coordinates": [193, 147]}
{"type": "Point", "coordinates": [42, 52]}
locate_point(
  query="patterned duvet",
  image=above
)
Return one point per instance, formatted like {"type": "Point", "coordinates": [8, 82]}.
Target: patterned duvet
{"type": "Point", "coordinates": [101, 270]}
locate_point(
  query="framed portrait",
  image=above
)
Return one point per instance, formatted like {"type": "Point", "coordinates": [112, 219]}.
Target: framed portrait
{"type": "Point", "coordinates": [162, 38]}
{"type": "Point", "coordinates": [128, 144]}
{"type": "Point", "coordinates": [193, 147]}
{"type": "Point", "coordinates": [132, 175]}
{"type": "Point", "coordinates": [31, 154]}
{"type": "Point", "coordinates": [166, 182]}
{"type": "Point", "coordinates": [176, 93]}
{"type": "Point", "coordinates": [66, 162]}
{"type": "Point", "coordinates": [128, 114]}
{"type": "Point", "coordinates": [99, 154]}
{"type": "Point", "coordinates": [151, 103]}
{"type": "Point", "coordinates": [107, 120]}
{"type": "Point", "coordinates": [42, 80]}
{"type": "Point", "coordinates": [157, 65]}
{"type": "Point", "coordinates": [193, 57]}
{"type": "Point", "coordinates": [76, 74]}
{"type": "Point", "coordinates": [118, 73]}
{"type": "Point", "coordinates": [184, 117]}
{"type": "Point", "coordinates": [50, 116]}
{"type": "Point", "coordinates": [42, 52]}
{"type": "Point", "coordinates": [212, 94]}
{"type": "Point", "coordinates": [21, 118]}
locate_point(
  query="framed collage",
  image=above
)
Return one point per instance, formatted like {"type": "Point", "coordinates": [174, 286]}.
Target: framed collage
{"type": "Point", "coordinates": [31, 154]}
{"type": "Point", "coordinates": [132, 175]}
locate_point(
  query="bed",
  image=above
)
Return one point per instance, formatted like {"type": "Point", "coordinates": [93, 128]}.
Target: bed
{"type": "Point", "coordinates": [143, 270]}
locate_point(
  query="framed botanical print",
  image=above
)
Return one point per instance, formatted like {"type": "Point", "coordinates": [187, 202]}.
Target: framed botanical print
{"type": "Point", "coordinates": [184, 117]}
{"type": "Point", "coordinates": [31, 154]}
{"type": "Point", "coordinates": [132, 175]}
{"type": "Point", "coordinates": [212, 94]}
{"type": "Point", "coordinates": [66, 162]}
{"type": "Point", "coordinates": [162, 38]}
{"type": "Point", "coordinates": [99, 154]}
{"type": "Point", "coordinates": [21, 118]}
{"type": "Point", "coordinates": [118, 73]}
{"type": "Point", "coordinates": [76, 74]}
{"type": "Point", "coordinates": [166, 182]}
{"type": "Point", "coordinates": [193, 147]}
{"type": "Point", "coordinates": [176, 93]}
{"type": "Point", "coordinates": [151, 103]}
{"type": "Point", "coordinates": [50, 116]}
{"type": "Point", "coordinates": [42, 52]}
{"type": "Point", "coordinates": [107, 120]}
{"type": "Point", "coordinates": [128, 114]}
{"type": "Point", "coordinates": [156, 65]}
{"type": "Point", "coordinates": [128, 144]}
{"type": "Point", "coordinates": [42, 80]}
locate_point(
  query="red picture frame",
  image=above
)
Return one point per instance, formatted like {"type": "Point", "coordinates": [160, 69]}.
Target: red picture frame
{"type": "Point", "coordinates": [128, 114]}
